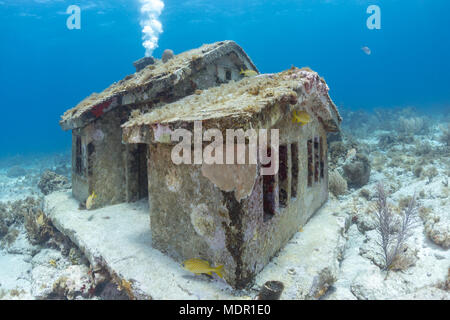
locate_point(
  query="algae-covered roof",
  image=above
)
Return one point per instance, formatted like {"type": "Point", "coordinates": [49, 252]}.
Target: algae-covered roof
{"type": "Point", "coordinates": [235, 103]}
{"type": "Point", "coordinates": [160, 73]}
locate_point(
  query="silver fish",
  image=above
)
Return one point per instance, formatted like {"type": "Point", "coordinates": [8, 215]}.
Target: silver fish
{"type": "Point", "coordinates": [366, 50]}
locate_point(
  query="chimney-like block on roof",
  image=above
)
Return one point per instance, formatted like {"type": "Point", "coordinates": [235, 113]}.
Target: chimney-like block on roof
{"type": "Point", "coordinates": [143, 62]}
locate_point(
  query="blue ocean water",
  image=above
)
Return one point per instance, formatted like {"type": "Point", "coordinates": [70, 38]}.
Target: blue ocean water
{"type": "Point", "coordinates": [45, 68]}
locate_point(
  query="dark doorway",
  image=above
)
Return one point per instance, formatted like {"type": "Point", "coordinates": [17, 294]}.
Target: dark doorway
{"type": "Point", "coordinates": [137, 178]}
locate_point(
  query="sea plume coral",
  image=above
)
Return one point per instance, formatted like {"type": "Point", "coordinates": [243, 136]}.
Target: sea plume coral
{"type": "Point", "coordinates": [413, 125]}
{"type": "Point", "coordinates": [37, 226]}
{"type": "Point", "coordinates": [445, 138]}
{"type": "Point", "coordinates": [393, 236]}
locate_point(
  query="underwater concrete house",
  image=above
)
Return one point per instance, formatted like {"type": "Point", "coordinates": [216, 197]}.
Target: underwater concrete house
{"type": "Point", "coordinates": [101, 163]}
{"type": "Point", "coordinates": [231, 214]}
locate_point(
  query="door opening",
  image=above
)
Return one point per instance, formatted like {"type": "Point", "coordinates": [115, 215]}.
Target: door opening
{"type": "Point", "coordinates": [137, 177]}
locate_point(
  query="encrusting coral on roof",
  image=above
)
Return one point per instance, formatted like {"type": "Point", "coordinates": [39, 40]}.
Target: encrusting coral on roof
{"type": "Point", "coordinates": [165, 74]}
{"type": "Point", "coordinates": [233, 104]}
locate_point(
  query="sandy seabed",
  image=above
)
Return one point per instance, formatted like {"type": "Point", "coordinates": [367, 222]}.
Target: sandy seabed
{"type": "Point", "coordinates": [409, 158]}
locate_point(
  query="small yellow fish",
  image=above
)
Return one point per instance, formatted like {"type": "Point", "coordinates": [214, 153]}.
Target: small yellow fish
{"type": "Point", "coordinates": [199, 266]}
{"type": "Point", "coordinates": [90, 201]}
{"type": "Point", "coordinates": [301, 229]}
{"type": "Point", "coordinates": [40, 219]}
{"type": "Point", "coordinates": [248, 73]}
{"type": "Point", "coordinates": [52, 262]}
{"type": "Point", "coordinates": [301, 117]}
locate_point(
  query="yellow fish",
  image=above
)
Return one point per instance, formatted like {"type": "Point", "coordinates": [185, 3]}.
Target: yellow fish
{"type": "Point", "coordinates": [40, 219]}
{"type": "Point", "coordinates": [199, 266]}
{"type": "Point", "coordinates": [90, 201]}
{"type": "Point", "coordinates": [301, 117]}
{"type": "Point", "coordinates": [248, 73]}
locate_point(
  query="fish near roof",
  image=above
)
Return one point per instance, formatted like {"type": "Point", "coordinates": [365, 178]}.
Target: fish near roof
{"type": "Point", "coordinates": [157, 78]}
{"type": "Point", "coordinates": [243, 104]}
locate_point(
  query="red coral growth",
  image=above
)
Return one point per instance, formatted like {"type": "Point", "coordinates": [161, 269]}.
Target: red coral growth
{"type": "Point", "coordinates": [99, 109]}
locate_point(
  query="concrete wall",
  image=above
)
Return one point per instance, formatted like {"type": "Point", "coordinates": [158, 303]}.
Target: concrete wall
{"type": "Point", "coordinates": [197, 212]}
{"type": "Point", "coordinates": [264, 238]}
